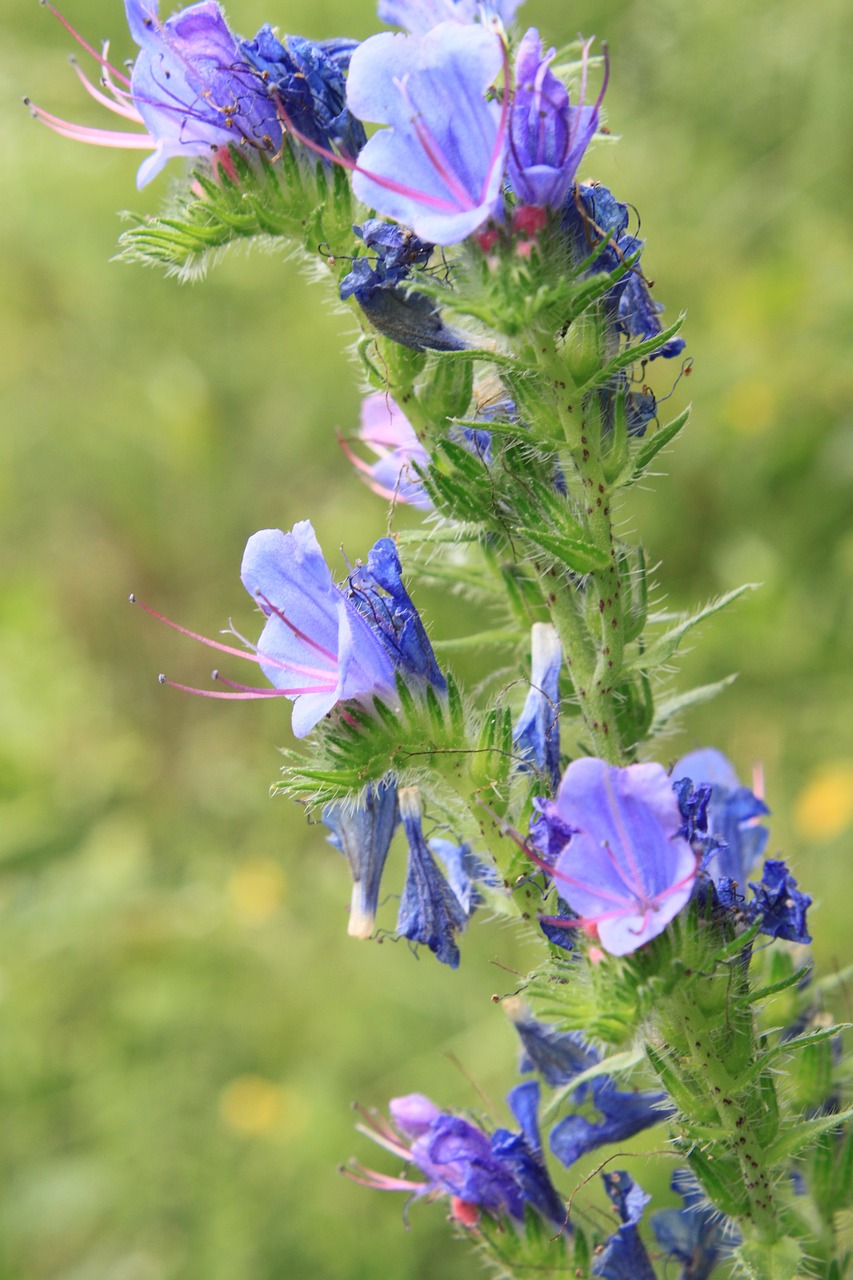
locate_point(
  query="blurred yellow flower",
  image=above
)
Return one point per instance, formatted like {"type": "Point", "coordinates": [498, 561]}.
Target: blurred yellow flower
{"type": "Point", "coordinates": [254, 1106]}
{"type": "Point", "coordinates": [824, 807]}
{"type": "Point", "coordinates": [256, 889]}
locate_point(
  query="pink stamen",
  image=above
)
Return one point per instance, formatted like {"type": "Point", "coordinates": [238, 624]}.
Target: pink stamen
{"type": "Point", "coordinates": [240, 697]}
{"type": "Point", "coordinates": [118, 108]}
{"type": "Point", "coordinates": [497, 150]}
{"type": "Point", "coordinates": [251, 688]}
{"type": "Point", "coordinates": [96, 137]}
{"type": "Point", "coordinates": [388, 184]}
{"type": "Point", "coordinates": [84, 44]}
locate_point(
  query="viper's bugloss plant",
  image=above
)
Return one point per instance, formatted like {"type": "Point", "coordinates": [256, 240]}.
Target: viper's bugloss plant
{"type": "Point", "coordinates": [507, 329]}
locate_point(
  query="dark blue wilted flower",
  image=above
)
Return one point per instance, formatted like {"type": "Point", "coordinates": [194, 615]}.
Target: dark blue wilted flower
{"type": "Point", "coordinates": [308, 81]}
{"type": "Point", "coordinates": [547, 135]}
{"type": "Point", "coordinates": [732, 812]}
{"type": "Point", "coordinates": [377, 592]}
{"type": "Point", "coordinates": [561, 1056]}
{"type": "Point", "coordinates": [779, 904]}
{"type": "Point", "coordinates": [419, 16]}
{"type": "Point", "coordinates": [363, 832]}
{"type": "Point", "coordinates": [624, 868]}
{"type": "Point", "coordinates": [536, 735]}
{"type": "Point", "coordinates": [698, 1236]}
{"type": "Point", "coordinates": [384, 284]}
{"type": "Point", "coordinates": [624, 1255]}
{"type": "Point", "coordinates": [592, 215]}
{"type": "Point", "coordinates": [191, 86]}
{"type": "Point", "coordinates": [498, 1175]}
{"type": "Point", "coordinates": [439, 167]}
{"type": "Point", "coordinates": [430, 912]}
{"type": "Point", "coordinates": [464, 872]}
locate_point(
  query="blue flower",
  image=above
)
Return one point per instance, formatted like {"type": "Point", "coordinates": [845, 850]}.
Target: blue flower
{"type": "Point", "coordinates": [624, 869]}
{"type": "Point", "coordinates": [386, 430]}
{"type": "Point", "coordinates": [697, 1235]}
{"type": "Point", "coordinates": [561, 1056]}
{"type": "Point", "coordinates": [363, 832]}
{"type": "Point", "coordinates": [547, 136]}
{"type": "Point", "coordinates": [537, 732]}
{"type": "Point", "coordinates": [316, 648]}
{"type": "Point", "coordinates": [191, 87]}
{"type": "Point", "coordinates": [522, 1153]}
{"type": "Point", "coordinates": [377, 592]}
{"type": "Point", "coordinates": [464, 872]}
{"type": "Point", "coordinates": [430, 912]}
{"type": "Point", "coordinates": [308, 79]}
{"type": "Point", "coordinates": [439, 167]}
{"type": "Point", "coordinates": [384, 286]}
{"type": "Point", "coordinates": [732, 813]}
{"type": "Point", "coordinates": [779, 904]}
{"type": "Point", "coordinates": [591, 214]}
{"type": "Point", "coordinates": [419, 16]}
{"type": "Point", "coordinates": [624, 1255]}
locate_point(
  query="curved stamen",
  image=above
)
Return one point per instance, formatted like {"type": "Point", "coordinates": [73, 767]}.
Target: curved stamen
{"type": "Point", "coordinates": [250, 695]}
{"type": "Point", "coordinates": [84, 43]}
{"type": "Point", "coordinates": [300, 635]}
{"type": "Point", "coordinates": [432, 149]}
{"type": "Point", "coordinates": [96, 137]}
{"type": "Point", "coordinates": [118, 108]}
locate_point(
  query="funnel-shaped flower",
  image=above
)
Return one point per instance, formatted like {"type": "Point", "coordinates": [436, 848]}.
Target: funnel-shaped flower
{"type": "Point", "coordinates": [438, 168]}
{"type": "Point", "coordinates": [419, 16]}
{"type": "Point", "coordinates": [625, 868]}
{"type": "Point", "coordinates": [547, 135]}
{"type": "Point", "coordinates": [387, 432]}
{"type": "Point", "coordinates": [363, 833]}
{"type": "Point", "coordinates": [499, 1174]}
{"type": "Point", "coordinates": [313, 632]}
{"type": "Point", "coordinates": [191, 87]}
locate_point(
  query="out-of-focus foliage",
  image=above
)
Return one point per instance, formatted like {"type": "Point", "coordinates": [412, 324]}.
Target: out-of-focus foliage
{"type": "Point", "coordinates": [182, 1017]}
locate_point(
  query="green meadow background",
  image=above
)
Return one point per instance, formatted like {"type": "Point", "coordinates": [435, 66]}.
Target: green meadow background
{"type": "Point", "coordinates": [183, 1021]}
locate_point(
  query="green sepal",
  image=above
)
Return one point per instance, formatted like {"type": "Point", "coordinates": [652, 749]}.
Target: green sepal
{"type": "Point", "coordinates": [577, 554]}
{"type": "Point", "coordinates": [652, 445]}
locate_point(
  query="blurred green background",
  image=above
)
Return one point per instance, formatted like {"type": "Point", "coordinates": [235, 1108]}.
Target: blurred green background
{"type": "Point", "coordinates": [184, 1020]}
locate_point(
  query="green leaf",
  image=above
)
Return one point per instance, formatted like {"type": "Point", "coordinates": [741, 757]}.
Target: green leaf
{"type": "Point", "coordinates": [575, 553]}
{"type": "Point", "coordinates": [661, 650]}
{"type": "Point", "coordinates": [614, 1065]}
{"type": "Point", "coordinates": [668, 708]}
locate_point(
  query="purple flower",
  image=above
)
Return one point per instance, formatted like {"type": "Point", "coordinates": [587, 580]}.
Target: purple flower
{"type": "Point", "coordinates": [386, 431]}
{"type": "Point", "coordinates": [697, 1235]}
{"type": "Point", "coordinates": [439, 167]}
{"type": "Point", "coordinates": [430, 912]}
{"type": "Point", "coordinates": [419, 16]}
{"type": "Point", "coordinates": [737, 838]}
{"type": "Point", "coordinates": [308, 78]}
{"type": "Point", "coordinates": [624, 869]}
{"type": "Point", "coordinates": [547, 136]}
{"type": "Point", "coordinates": [497, 1175]}
{"type": "Point", "coordinates": [363, 832]}
{"type": "Point", "coordinates": [624, 1256]}
{"type": "Point", "coordinates": [537, 733]}
{"type": "Point", "coordinates": [315, 648]}
{"type": "Point", "coordinates": [191, 87]}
